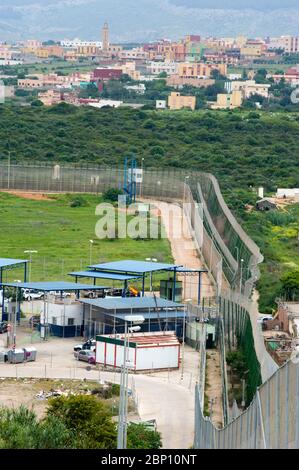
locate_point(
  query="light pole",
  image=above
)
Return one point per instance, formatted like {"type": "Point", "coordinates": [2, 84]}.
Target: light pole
{"type": "Point", "coordinates": [142, 162]}
{"type": "Point", "coordinates": [153, 260]}
{"type": "Point", "coordinates": [241, 275]}
{"type": "Point", "coordinates": [30, 252]}
{"type": "Point", "coordinates": [185, 182]}
{"type": "Point", "coordinates": [91, 242]}
{"type": "Point", "coordinates": [183, 344]}
{"type": "Point", "coordinates": [123, 397]}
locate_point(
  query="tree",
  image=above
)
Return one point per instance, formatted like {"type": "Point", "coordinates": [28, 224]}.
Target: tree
{"type": "Point", "coordinates": [87, 418]}
{"type": "Point", "coordinates": [37, 103]}
{"type": "Point", "coordinates": [290, 285]}
{"type": "Point", "coordinates": [139, 436]}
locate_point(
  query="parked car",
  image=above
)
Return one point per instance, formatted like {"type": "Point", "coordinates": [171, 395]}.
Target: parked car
{"type": "Point", "coordinates": [86, 356]}
{"type": "Point", "coordinates": [34, 321]}
{"type": "Point", "coordinates": [88, 345]}
{"type": "Point", "coordinates": [262, 318]}
{"type": "Point", "coordinates": [60, 294]}
{"type": "Point", "coordinates": [3, 327]}
{"type": "Point", "coordinates": [31, 295]}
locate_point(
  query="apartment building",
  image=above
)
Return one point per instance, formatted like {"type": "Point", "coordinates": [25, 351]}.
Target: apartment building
{"type": "Point", "coordinates": [133, 54]}
{"type": "Point", "coordinates": [253, 48]}
{"type": "Point", "coordinates": [172, 51]}
{"type": "Point", "coordinates": [178, 82]}
{"type": "Point", "coordinates": [228, 101]}
{"type": "Point", "coordinates": [176, 101]}
{"type": "Point", "coordinates": [50, 97]}
{"type": "Point", "coordinates": [248, 88]}
{"type": "Point", "coordinates": [291, 76]}
{"type": "Point", "coordinates": [289, 44]}
{"type": "Point", "coordinates": [200, 70]}
{"type": "Point", "coordinates": [169, 67]}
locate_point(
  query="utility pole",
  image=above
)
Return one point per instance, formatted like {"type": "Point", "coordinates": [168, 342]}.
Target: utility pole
{"type": "Point", "coordinates": [90, 251]}
{"type": "Point", "coordinates": [183, 348]}
{"type": "Point", "coordinates": [8, 171]}
{"type": "Point", "coordinates": [30, 261]}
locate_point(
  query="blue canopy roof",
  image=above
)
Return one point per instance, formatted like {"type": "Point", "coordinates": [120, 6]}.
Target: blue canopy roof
{"type": "Point", "coordinates": [53, 286]}
{"type": "Point", "coordinates": [131, 303]}
{"type": "Point", "coordinates": [104, 275]}
{"type": "Point", "coordinates": [6, 262]}
{"type": "Point", "coordinates": [132, 266]}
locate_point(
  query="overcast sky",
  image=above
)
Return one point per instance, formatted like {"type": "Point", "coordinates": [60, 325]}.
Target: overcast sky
{"type": "Point", "coordinates": [142, 20]}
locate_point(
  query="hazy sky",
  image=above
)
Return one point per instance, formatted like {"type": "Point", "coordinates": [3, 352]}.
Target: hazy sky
{"type": "Point", "coordinates": [142, 20]}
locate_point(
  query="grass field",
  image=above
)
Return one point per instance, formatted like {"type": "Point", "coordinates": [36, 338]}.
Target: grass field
{"type": "Point", "coordinates": [61, 233]}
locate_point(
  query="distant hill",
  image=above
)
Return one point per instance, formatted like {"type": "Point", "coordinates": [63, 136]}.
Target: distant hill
{"type": "Point", "coordinates": [144, 20]}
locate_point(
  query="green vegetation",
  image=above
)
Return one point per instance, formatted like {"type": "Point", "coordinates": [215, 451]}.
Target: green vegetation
{"type": "Point", "coordinates": [74, 422]}
{"type": "Point", "coordinates": [240, 150]}
{"type": "Point", "coordinates": [276, 233]}
{"type": "Point", "coordinates": [60, 229]}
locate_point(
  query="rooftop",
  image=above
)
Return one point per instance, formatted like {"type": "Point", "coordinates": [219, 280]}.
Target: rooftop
{"type": "Point", "coordinates": [52, 286]}
{"type": "Point", "coordinates": [104, 275]}
{"type": "Point", "coordinates": [6, 262]}
{"type": "Point", "coordinates": [131, 303]}
{"type": "Point", "coordinates": [136, 267]}
{"type": "Point", "coordinates": [144, 340]}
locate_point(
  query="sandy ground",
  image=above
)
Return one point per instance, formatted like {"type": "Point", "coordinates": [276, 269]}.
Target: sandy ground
{"type": "Point", "coordinates": [214, 386]}
{"type": "Point", "coordinates": [183, 249]}
{"type": "Point", "coordinates": [33, 196]}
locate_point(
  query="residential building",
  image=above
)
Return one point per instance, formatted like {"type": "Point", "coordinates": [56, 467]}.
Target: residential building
{"type": "Point", "coordinates": [178, 82]}
{"type": "Point", "coordinates": [289, 44]}
{"type": "Point", "coordinates": [50, 97]}
{"type": "Point", "coordinates": [253, 48]}
{"type": "Point", "coordinates": [106, 74]}
{"type": "Point", "coordinates": [133, 54]}
{"type": "Point", "coordinates": [172, 51]}
{"type": "Point", "coordinates": [200, 70]}
{"type": "Point", "coordinates": [291, 76]}
{"type": "Point", "coordinates": [169, 67]}
{"type": "Point", "coordinates": [177, 101]}
{"type": "Point", "coordinates": [248, 88]}
{"type": "Point", "coordinates": [140, 89]}
{"type": "Point", "coordinates": [104, 103]}
{"type": "Point", "coordinates": [129, 68]}
{"type": "Point", "coordinates": [228, 101]}
{"type": "Point", "coordinates": [75, 43]}
{"type": "Point", "coordinates": [161, 104]}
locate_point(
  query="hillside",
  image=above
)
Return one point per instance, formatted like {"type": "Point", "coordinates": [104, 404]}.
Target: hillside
{"type": "Point", "coordinates": [241, 149]}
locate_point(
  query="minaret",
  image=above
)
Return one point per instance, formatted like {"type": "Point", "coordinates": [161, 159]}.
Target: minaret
{"type": "Point", "coordinates": [105, 37]}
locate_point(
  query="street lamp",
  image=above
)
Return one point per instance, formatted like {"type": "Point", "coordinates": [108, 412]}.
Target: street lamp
{"type": "Point", "coordinates": [30, 252]}
{"type": "Point", "coordinates": [141, 181]}
{"type": "Point", "coordinates": [91, 242]}
{"type": "Point", "coordinates": [123, 398]}
{"type": "Point", "coordinates": [241, 275]}
{"type": "Point", "coordinates": [185, 182]}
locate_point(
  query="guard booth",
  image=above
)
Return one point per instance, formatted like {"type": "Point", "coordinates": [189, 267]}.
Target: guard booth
{"type": "Point", "coordinates": [166, 290]}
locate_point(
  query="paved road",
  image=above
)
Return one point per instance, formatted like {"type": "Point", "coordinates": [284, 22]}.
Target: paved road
{"type": "Point", "coordinates": [172, 405]}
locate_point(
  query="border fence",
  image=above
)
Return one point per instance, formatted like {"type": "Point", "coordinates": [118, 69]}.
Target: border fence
{"type": "Point", "coordinates": [232, 259]}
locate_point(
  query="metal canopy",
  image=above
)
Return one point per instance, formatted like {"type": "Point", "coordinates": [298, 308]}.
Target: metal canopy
{"type": "Point", "coordinates": [104, 275]}
{"type": "Point", "coordinates": [132, 266]}
{"type": "Point", "coordinates": [53, 286]}
{"type": "Point", "coordinates": [6, 262]}
{"type": "Point", "coordinates": [131, 303]}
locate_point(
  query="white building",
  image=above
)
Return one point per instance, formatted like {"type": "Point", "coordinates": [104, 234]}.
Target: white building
{"type": "Point", "coordinates": [140, 89]}
{"type": "Point", "coordinates": [248, 88]}
{"type": "Point", "coordinates": [146, 351]}
{"type": "Point", "coordinates": [289, 44]}
{"type": "Point", "coordinates": [133, 54]}
{"type": "Point", "coordinates": [161, 104]}
{"type": "Point", "coordinates": [102, 103]}
{"type": "Point", "coordinates": [169, 67]}
{"type": "Point", "coordinates": [287, 192]}
{"type": "Point", "coordinates": [74, 43]}
{"type": "Point", "coordinates": [64, 317]}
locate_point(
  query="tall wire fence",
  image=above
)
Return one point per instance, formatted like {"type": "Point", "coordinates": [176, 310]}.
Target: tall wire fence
{"type": "Point", "coordinates": [232, 259]}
